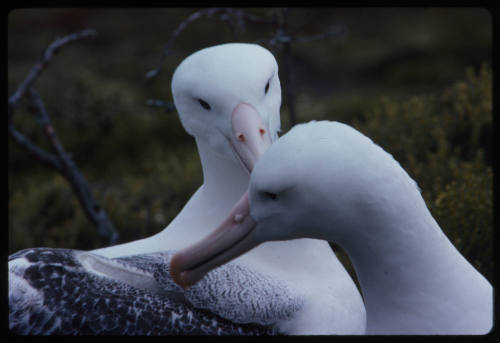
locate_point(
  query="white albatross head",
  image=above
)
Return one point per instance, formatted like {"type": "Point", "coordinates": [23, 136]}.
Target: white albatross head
{"type": "Point", "coordinates": [325, 180]}
{"type": "Point", "coordinates": [228, 97]}
{"type": "Point", "coordinates": [320, 180]}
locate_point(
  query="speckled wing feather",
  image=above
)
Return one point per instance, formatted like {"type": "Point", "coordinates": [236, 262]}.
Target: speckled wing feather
{"type": "Point", "coordinates": [51, 292]}
{"type": "Point", "coordinates": [232, 291]}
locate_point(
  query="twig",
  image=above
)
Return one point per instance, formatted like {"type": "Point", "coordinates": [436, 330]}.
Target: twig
{"type": "Point", "coordinates": [39, 67]}
{"type": "Point", "coordinates": [168, 106]}
{"type": "Point", "coordinates": [228, 15]}
{"type": "Point", "coordinates": [181, 27]}
{"type": "Point", "coordinates": [71, 172]}
{"type": "Point", "coordinates": [282, 36]}
{"type": "Point", "coordinates": [47, 159]}
{"type": "Point", "coordinates": [282, 39]}
{"type": "Point", "coordinates": [287, 47]}
{"type": "Point", "coordinates": [334, 31]}
{"type": "Point", "coordinates": [239, 17]}
{"type": "Point", "coordinates": [38, 108]}
{"type": "Point", "coordinates": [59, 159]}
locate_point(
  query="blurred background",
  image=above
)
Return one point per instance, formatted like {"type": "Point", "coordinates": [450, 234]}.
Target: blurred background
{"type": "Point", "coordinates": [418, 81]}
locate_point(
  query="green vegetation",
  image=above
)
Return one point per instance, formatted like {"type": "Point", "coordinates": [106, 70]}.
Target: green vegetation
{"type": "Point", "coordinates": [444, 142]}
{"type": "Point", "coordinates": [418, 91]}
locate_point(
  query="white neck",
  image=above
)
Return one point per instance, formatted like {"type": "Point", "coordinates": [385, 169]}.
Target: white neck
{"type": "Point", "coordinates": [224, 182]}
{"type": "Point", "coordinates": [333, 304]}
{"type": "Point", "coordinates": [223, 178]}
{"type": "Point", "coordinates": [414, 281]}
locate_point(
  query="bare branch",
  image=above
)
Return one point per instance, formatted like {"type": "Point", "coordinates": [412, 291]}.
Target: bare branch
{"type": "Point", "coordinates": [289, 84]}
{"type": "Point", "coordinates": [333, 32]}
{"type": "Point", "coordinates": [191, 18]}
{"type": "Point", "coordinates": [287, 47]}
{"type": "Point", "coordinates": [282, 39]}
{"type": "Point", "coordinates": [256, 19]}
{"type": "Point", "coordinates": [39, 67]}
{"type": "Point", "coordinates": [47, 159]}
{"type": "Point", "coordinates": [181, 27]}
{"type": "Point", "coordinates": [38, 108]}
{"type": "Point", "coordinates": [168, 106]}
{"type": "Point", "coordinates": [72, 174]}
{"type": "Point", "coordinates": [59, 160]}
{"type": "Point", "coordinates": [237, 19]}
{"type": "Point", "coordinates": [230, 16]}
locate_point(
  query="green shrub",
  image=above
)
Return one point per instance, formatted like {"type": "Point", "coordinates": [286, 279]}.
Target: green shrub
{"type": "Point", "coordinates": [444, 142]}
{"type": "Point", "coordinates": [47, 213]}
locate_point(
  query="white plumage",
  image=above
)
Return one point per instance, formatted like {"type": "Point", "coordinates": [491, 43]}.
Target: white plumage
{"type": "Point", "coordinates": [326, 180]}
{"type": "Point", "coordinates": [222, 93]}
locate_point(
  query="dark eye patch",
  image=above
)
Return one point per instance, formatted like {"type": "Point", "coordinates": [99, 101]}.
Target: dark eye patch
{"type": "Point", "coordinates": [267, 88]}
{"type": "Point", "coordinates": [270, 195]}
{"type": "Point", "coordinates": [204, 104]}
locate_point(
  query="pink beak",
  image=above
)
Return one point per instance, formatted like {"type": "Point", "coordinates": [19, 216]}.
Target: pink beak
{"type": "Point", "coordinates": [250, 138]}
{"type": "Point", "coordinates": [234, 236]}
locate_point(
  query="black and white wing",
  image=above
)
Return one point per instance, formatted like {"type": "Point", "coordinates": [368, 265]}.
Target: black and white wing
{"type": "Point", "coordinates": [68, 292]}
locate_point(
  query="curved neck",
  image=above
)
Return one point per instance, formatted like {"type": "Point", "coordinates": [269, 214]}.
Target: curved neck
{"type": "Point", "coordinates": [224, 182]}
{"type": "Point", "coordinates": [224, 179]}
{"type": "Point", "coordinates": [413, 279]}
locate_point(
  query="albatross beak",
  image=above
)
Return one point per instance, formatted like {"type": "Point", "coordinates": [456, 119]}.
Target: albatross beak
{"type": "Point", "coordinates": [250, 138]}
{"type": "Point", "coordinates": [233, 237]}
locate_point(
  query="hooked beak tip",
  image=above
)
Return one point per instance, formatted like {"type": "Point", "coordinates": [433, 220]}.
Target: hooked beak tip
{"type": "Point", "coordinates": [177, 272]}
{"type": "Point", "coordinates": [229, 240]}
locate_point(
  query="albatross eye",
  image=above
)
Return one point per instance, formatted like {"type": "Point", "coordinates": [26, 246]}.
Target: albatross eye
{"type": "Point", "coordinates": [204, 104]}
{"type": "Point", "coordinates": [272, 196]}
{"type": "Point", "coordinates": [267, 88]}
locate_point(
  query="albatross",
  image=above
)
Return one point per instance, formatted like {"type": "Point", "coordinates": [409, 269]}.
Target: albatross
{"type": "Point", "coordinates": [228, 97]}
{"type": "Point", "coordinates": [325, 180]}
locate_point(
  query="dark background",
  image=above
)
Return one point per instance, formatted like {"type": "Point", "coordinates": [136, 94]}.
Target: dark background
{"type": "Point", "coordinates": [415, 80]}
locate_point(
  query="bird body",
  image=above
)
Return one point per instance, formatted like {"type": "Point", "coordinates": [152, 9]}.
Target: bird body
{"type": "Point", "coordinates": [325, 180]}
{"type": "Point", "coordinates": [228, 99]}
{"type": "Point", "coordinates": [223, 86]}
